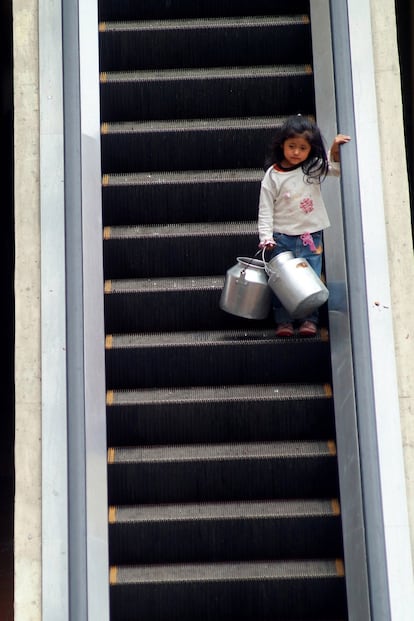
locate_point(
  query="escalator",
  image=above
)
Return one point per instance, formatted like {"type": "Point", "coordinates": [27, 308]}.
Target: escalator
{"type": "Point", "coordinates": [222, 468]}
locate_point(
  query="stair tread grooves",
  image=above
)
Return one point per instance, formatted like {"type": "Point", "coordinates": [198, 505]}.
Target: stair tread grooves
{"type": "Point", "coordinates": [184, 178]}
{"type": "Point", "coordinates": [204, 456]}
{"type": "Point", "coordinates": [258, 392]}
{"type": "Point", "coordinates": [197, 125]}
{"type": "Point", "coordinates": [206, 73]}
{"type": "Point", "coordinates": [162, 285]}
{"type": "Point", "coordinates": [206, 23]}
{"type": "Point", "coordinates": [247, 510]}
{"type": "Point", "coordinates": [190, 229]}
{"type": "Point", "coordinates": [207, 337]}
{"type": "Point", "coordinates": [218, 452]}
{"type": "Point", "coordinates": [217, 572]}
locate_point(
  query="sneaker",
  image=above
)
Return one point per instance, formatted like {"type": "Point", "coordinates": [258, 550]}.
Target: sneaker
{"type": "Point", "coordinates": [284, 329]}
{"type": "Point", "coordinates": [308, 328]}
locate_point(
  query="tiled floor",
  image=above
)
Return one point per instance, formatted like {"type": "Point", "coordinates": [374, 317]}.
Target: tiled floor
{"type": "Point", "coordinates": [6, 550]}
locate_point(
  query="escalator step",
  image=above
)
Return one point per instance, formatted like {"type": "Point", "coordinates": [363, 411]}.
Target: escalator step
{"type": "Point", "coordinates": [191, 196]}
{"type": "Point", "coordinates": [214, 358]}
{"type": "Point", "coordinates": [174, 250]}
{"type": "Point", "coordinates": [213, 143]}
{"type": "Point", "coordinates": [212, 532]}
{"type": "Point", "coordinates": [204, 93]}
{"type": "Point", "coordinates": [288, 590]}
{"type": "Point", "coordinates": [139, 305]}
{"type": "Point", "coordinates": [220, 414]}
{"type": "Point", "coordinates": [208, 42]}
{"type": "Point", "coordinates": [220, 472]}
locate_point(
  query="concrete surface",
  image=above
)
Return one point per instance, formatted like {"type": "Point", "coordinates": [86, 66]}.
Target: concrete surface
{"type": "Point", "coordinates": [397, 208]}
{"type": "Point", "coordinates": [27, 313]}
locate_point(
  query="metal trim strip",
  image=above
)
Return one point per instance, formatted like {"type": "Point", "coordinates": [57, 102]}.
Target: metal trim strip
{"type": "Point", "coordinates": [352, 515]}
{"type": "Point", "coordinates": [55, 527]}
{"type": "Point", "coordinates": [94, 331]}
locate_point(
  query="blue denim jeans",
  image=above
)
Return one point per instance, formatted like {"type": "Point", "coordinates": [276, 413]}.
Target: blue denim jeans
{"type": "Point", "coordinates": [295, 244]}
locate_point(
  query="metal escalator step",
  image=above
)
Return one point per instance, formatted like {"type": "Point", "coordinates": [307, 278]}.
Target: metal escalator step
{"type": "Point", "coordinates": [181, 9]}
{"type": "Point", "coordinates": [222, 472]}
{"type": "Point", "coordinates": [209, 74]}
{"type": "Point", "coordinates": [199, 93]}
{"type": "Point", "coordinates": [208, 42]}
{"type": "Point", "coordinates": [229, 531]}
{"type": "Point", "coordinates": [174, 250]}
{"type": "Point", "coordinates": [130, 147]}
{"type": "Point", "coordinates": [220, 414]}
{"type": "Point", "coordinates": [192, 196]}
{"type": "Point", "coordinates": [194, 124]}
{"type": "Point", "coordinates": [195, 75]}
{"type": "Point", "coordinates": [287, 590]}
{"type": "Point", "coordinates": [201, 229]}
{"type": "Point", "coordinates": [213, 358]}
{"type": "Point", "coordinates": [139, 305]}
{"type": "Point", "coordinates": [227, 511]}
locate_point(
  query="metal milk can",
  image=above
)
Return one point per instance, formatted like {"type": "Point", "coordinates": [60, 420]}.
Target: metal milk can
{"type": "Point", "coordinates": [296, 284]}
{"type": "Point", "coordinates": [246, 292]}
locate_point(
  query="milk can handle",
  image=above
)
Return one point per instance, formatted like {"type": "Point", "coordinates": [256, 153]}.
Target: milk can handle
{"type": "Point", "coordinates": [267, 270]}
{"type": "Point", "coordinates": [252, 259]}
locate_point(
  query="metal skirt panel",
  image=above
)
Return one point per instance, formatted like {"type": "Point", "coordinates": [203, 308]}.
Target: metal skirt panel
{"type": "Point", "coordinates": [75, 582]}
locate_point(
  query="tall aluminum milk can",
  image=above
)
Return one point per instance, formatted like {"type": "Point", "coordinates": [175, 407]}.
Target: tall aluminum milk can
{"type": "Point", "coordinates": [296, 284]}
{"type": "Point", "coordinates": [246, 292]}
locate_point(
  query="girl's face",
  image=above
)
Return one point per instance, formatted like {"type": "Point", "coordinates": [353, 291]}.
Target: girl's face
{"type": "Point", "coordinates": [295, 151]}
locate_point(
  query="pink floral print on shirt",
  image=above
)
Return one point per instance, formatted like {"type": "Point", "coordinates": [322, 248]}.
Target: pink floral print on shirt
{"type": "Point", "coordinates": [306, 205]}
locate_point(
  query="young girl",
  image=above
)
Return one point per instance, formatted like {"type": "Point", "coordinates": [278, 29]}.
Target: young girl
{"type": "Point", "coordinates": [292, 213]}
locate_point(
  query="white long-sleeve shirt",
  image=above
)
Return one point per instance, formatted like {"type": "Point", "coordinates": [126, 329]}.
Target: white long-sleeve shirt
{"type": "Point", "coordinates": [291, 203]}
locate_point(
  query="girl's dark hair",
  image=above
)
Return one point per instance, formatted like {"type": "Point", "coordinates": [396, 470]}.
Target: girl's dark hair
{"type": "Point", "coordinates": [315, 167]}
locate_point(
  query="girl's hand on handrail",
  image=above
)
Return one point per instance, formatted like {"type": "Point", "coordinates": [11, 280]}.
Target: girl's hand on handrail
{"type": "Point", "coordinates": [338, 140]}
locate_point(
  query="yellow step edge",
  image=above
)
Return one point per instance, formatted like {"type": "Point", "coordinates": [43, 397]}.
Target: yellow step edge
{"type": "Point", "coordinates": [332, 447]}
{"type": "Point", "coordinates": [112, 515]}
{"type": "Point", "coordinates": [111, 455]}
{"type": "Point", "coordinates": [336, 507]}
{"type": "Point", "coordinates": [328, 390]}
{"type": "Point", "coordinates": [113, 575]}
{"type": "Point", "coordinates": [340, 568]}
{"type": "Point", "coordinates": [105, 179]}
{"type": "Point", "coordinates": [103, 77]}
{"type": "Point", "coordinates": [109, 397]}
{"type": "Point", "coordinates": [102, 26]}
{"type": "Point", "coordinates": [107, 232]}
{"type": "Point", "coordinates": [108, 286]}
{"type": "Point", "coordinates": [108, 341]}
